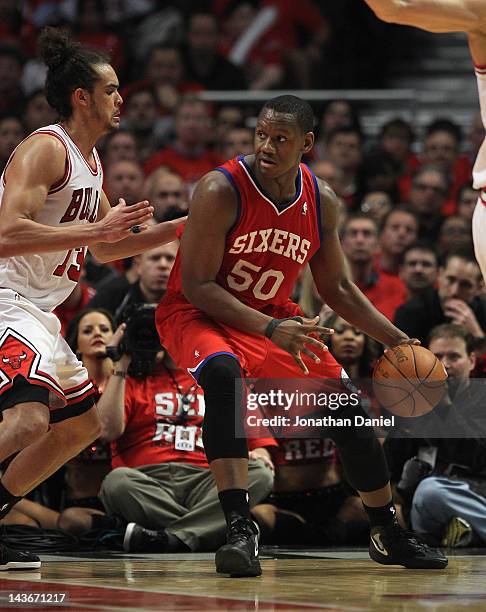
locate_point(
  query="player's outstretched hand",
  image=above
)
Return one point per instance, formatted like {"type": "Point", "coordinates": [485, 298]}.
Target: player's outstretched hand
{"type": "Point", "coordinates": [295, 338]}
{"type": "Point", "coordinates": [119, 221]}
{"type": "Point", "coordinates": [414, 341]}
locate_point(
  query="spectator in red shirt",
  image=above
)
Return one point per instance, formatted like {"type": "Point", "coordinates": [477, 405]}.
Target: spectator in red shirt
{"type": "Point", "coordinates": [467, 198]}
{"type": "Point", "coordinates": [396, 139]}
{"type": "Point", "coordinates": [360, 245]}
{"type": "Point", "coordinates": [119, 146]}
{"type": "Point", "coordinates": [189, 155]}
{"type": "Point", "coordinates": [442, 146]}
{"type": "Point", "coordinates": [166, 190]}
{"type": "Point", "coordinates": [345, 148]}
{"type": "Point", "coordinates": [124, 179]}
{"type": "Point", "coordinates": [161, 483]}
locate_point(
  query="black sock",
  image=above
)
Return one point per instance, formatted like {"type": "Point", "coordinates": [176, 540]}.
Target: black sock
{"type": "Point", "coordinates": [381, 516]}
{"type": "Point", "coordinates": [7, 501]}
{"type": "Point", "coordinates": [235, 501]}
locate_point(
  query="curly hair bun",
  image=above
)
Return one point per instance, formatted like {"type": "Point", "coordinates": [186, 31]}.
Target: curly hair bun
{"type": "Point", "coordinates": [55, 47]}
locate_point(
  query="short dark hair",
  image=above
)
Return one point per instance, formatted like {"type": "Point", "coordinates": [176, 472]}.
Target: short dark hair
{"type": "Point", "coordinates": [292, 105]}
{"type": "Point", "coordinates": [356, 216]}
{"type": "Point", "coordinates": [451, 330]}
{"type": "Point", "coordinates": [426, 247]}
{"type": "Point", "coordinates": [69, 66]}
{"type": "Point", "coordinates": [445, 125]}
{"type": "Point", "coordinates": [401, 208]}
{"type": "Point", "coordinates": [424, 168]}
{"type": "Point", "coordinates": [398, 126]}
{"type": "Point", "coordinates": [466, 255]}
{"type": "Point", "coordinates": [344, 129]}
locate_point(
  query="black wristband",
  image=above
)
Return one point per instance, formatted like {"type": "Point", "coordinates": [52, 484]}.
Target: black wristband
{"type": "Point", "coordinates": [276, 322]}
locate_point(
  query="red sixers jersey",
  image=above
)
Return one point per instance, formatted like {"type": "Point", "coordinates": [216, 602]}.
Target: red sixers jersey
{"type": "Point", "coordinates": [269, 243]}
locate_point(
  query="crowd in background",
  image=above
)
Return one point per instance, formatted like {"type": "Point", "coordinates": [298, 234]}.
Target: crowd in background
{"type": "Point", "coordinates": [405, 227]}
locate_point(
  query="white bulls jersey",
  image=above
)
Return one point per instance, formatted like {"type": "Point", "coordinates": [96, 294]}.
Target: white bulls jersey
{"type": "Point", "coordinates": [46, 279]}
{"type": "Point", "coordinates": [479, 171]}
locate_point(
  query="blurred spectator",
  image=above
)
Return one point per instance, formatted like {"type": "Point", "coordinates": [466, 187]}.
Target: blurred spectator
{"type": "Point", "coordinates": [124, 179]}
{"type": "Point", "coordinates": [166, 190]}
{"type": "Point", "coordinates": [399, 230]}
{"type": "Point", "coordinates": [37, 112]}
{"type": "Point", "coordinates": [360, 245]}
{"type": "Point", "coordinates": [440, 468]}
{"type": "Point", "coordinates": [396, 139]}
{"type": "Point", "coordinates": [428, 193]}
{"type": "Point", "coordinates": [91, 30]}
{"type": "Point", "coordinates": [419, 269]}
{"type": "Point", "coordinates": [227, 116]}
{"type": "Point", "coordinates": [153, 268]}
{"type": "Point", "coordinates": [377, 172]}
{"type": "Point", "coordinates": [161, 483]}
{"type": "Point", "coordinates": [475, 136]}
{"type": "Point", "coordinates": [165, 74]}
{"type": "Point", "coordinates": [376, 204]}
{"type": "Point", "coordinates": [442, 147]}
{"type": "Point", "coordinates": [11, 133]}
{"type": "Point", "coordinates": [336, 114]}
{"type": "Point", "coordinates": [270, 37]}
{"type": "Point", "coordinates": [76, 301]}
{"type": "Point", "coordinates": [467, 198]}
{"type": "Point", "coordinates": [189, 155]}
{"type": "Point", "coordinates": [455, 233]}
{"type": "Point", "coordinates": [88, 335]}
{"type": "Point", "coordinates": [119, 146]}
{"type": "Point", "coordinates": [345, 149]}
{"type": "Point", "coordinates": [141, 117]}
{"type": "Point", "coordinates": [204, 63]}
{"type": "Point", "coordinates": [246, 42]}
{"type": "Point", "coordinates": [351, 348]}
{"type": "Point", "coordinates": [237, 141]}
{"type": "Point", "coordinates": [330, 172]}
{"type": "Point", "coordinates": [11, 94]}
{"type": "Point", "coordinates": [456, 300]}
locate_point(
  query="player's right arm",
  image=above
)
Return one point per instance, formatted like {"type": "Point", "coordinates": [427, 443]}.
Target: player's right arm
{"type": "Point", "coordinates": [433, 15]}
{"type": "Point", "coordinates": [38, 164]}
{"type": "Point", "coordinates": [439, 16]}
{"type": "Point", "coordinates": [212, 213]}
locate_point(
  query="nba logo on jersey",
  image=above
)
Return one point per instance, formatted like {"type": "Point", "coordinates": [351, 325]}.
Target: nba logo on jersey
{"type": "Point", "coordinates": [304, 208]}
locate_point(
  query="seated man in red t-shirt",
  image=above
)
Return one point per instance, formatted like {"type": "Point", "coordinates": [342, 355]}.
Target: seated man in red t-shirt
{"type": "Point", "coordinates": [360, 245]}
{"type": "Point", "coordinates": [161, 483]}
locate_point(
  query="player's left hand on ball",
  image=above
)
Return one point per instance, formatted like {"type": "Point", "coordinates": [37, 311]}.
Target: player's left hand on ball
{"type": "Point", "coordinates": [414, 341]}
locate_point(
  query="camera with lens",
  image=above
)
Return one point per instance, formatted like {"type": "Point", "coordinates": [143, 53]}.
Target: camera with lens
{"type": "Point", "coordinates": [414, 471]}
{"type": "Point", "coordinates": [140, 340]}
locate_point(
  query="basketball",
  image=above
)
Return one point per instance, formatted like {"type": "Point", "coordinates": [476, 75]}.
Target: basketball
{"type": "Point", "coordinates": [409, 380]}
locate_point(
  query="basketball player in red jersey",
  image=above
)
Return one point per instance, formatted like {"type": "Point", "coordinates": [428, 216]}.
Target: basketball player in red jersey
{"type": "Point", "coordinates": [254, 223]}
{"type": "Point", "coordinates": [467, 16]}
{"type": "Point", "coordinates": [52, 208]}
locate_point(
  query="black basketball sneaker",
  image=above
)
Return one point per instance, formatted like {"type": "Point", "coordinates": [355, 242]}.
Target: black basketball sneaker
{"type": "Point", "coordinates": [392, 545]}
{"type": "Point", "coordinates": [17, 560]}
{"type": "Point", "coordinates": [239, 556]}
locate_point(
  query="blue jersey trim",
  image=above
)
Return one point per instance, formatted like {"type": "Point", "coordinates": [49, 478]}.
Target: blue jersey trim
{"type": "Point", "coordinates": [318, 203]}
{"type": "Point", "coordinates": [196, 372]}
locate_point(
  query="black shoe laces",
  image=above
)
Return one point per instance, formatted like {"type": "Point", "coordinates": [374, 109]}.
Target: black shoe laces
{"type": "Point", "coordinates": [407, 539]}
{"type": "Point", "coordinates": [240, 531]}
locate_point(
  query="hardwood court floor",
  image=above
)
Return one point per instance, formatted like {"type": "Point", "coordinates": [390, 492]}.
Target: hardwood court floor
{"type": "Point", "coordinates": [292, 580]}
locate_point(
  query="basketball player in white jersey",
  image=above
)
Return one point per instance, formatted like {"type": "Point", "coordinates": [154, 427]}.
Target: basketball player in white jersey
{"type": "Point", "coordinates": [453, 16]}
{"type": "Point", "coordinates": [52, 208]}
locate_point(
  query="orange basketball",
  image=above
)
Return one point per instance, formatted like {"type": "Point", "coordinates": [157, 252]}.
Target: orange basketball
{"type": "Point", "coordinates": [409, 380]}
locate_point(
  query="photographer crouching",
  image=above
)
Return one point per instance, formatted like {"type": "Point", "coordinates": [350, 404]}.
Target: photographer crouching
{"type": "Point", "coordinates": [161, 484]}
